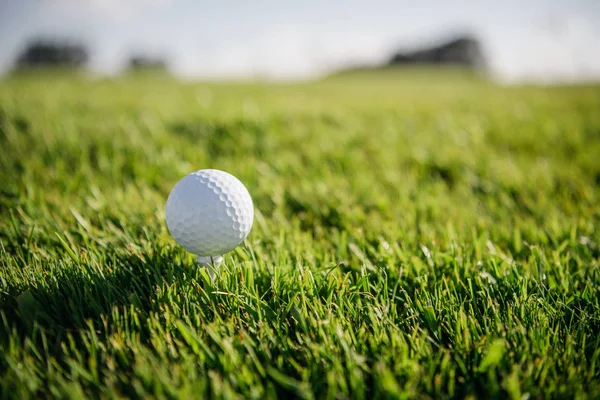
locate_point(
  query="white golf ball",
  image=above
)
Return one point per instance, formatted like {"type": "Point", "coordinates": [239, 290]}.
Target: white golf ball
{"type": "Point", "coordinates": [209, 212]}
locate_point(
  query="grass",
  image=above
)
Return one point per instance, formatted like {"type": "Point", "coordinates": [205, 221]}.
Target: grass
{"type": "Point", "coordinates": [414, 238]}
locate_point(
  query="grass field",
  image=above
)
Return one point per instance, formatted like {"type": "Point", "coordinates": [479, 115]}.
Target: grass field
{"type": "Point", "coordinates": [416, 236]}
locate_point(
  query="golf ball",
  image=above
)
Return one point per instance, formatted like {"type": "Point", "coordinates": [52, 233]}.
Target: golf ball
{"type": "Point", "coordinates": [209, 212]}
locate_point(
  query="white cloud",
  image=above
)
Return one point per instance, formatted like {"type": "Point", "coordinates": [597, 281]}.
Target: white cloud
{"type": "Point", "coordinates": [561, 50]}
{"type": "Point", "coordinates": [284, 51]}
{"type": "Point", "coordinates": [120, 10]}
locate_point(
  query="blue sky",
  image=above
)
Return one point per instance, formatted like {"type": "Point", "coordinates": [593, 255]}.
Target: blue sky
{"type": "Point", "coordinates": [531, 40]}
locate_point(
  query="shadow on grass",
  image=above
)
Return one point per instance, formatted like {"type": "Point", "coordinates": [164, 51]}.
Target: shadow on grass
{"type": "Point", "coordinates": [79, 294]}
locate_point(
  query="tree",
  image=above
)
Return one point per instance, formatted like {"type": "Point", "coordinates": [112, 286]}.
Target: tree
{"type": "Point", "coordinates": [48, 53]}
{"type": "Point", "coordinates": [464, 51]}
{"type": "Point", "coordinates": [145, 63]}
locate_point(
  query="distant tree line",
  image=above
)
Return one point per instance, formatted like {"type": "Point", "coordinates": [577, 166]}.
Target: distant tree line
{"type": "Point", "coordinates": [465, 51]}
{"type": "Point", "coordinates": [142, 62]}
{"type": "Point", "coordinates": [67, 54]}
{"type": "Point", "coordinates": [44, 53]}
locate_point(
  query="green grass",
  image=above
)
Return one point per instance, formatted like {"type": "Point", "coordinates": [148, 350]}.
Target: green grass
{"type": "Point", "coordinates": [414, 238]}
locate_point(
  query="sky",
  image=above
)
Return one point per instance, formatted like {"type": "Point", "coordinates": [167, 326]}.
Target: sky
{"type": "Point", "coordinates": [528, 40]}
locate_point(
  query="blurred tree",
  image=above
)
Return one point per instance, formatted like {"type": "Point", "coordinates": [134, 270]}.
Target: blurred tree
{"type": "Point", "coordinates": [42, 53]}
{"type": "Point", "coordinates": [146, 63]}
{"type": "Point", "coordinates": [463, 51]}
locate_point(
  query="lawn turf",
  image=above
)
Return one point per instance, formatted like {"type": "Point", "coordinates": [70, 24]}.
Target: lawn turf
{"type": "Point", "coordinates": [416, 235]}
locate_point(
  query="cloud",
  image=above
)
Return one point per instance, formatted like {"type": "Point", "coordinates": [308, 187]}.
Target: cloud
{"type": "Point", "coordinates": [120, 10]}
{"type": "Point", "coordinates": [560, 50]}
{"type": "Point", "coordinates": [283, 51]}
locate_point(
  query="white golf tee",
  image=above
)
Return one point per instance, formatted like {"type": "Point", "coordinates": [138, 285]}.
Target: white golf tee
{"type": "Point", "coordinates": [211, 264]}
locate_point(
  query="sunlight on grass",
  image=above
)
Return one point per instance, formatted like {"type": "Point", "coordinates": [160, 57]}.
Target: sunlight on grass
{"type": "Point", "coordinates": [410, 240]}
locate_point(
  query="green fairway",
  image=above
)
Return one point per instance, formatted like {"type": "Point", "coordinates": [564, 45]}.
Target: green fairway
{"type": "Point", "coordinates": [415, 236]}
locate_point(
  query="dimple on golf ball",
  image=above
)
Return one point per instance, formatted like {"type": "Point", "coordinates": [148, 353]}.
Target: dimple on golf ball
{"type": "Point", "coordinates": [209, 212]}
